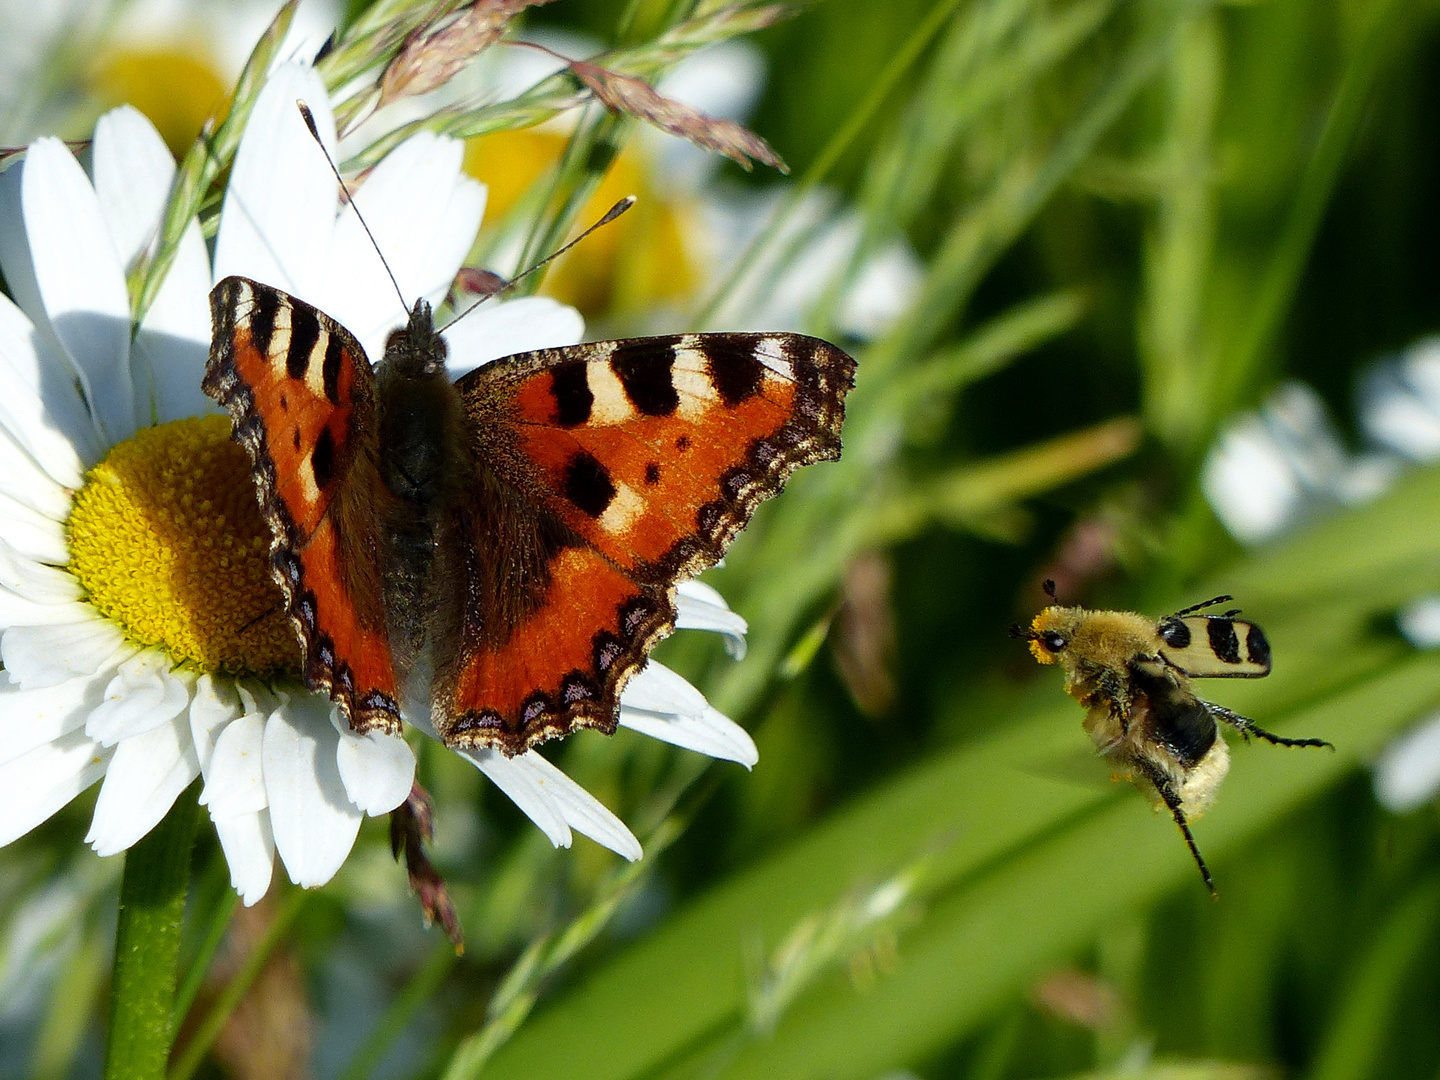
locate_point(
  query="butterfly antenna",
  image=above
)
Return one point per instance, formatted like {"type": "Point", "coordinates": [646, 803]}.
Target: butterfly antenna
{"type": "Point", "coordinates": [309, 118]}
{"type": "Point", "coordinates": [610, 215]}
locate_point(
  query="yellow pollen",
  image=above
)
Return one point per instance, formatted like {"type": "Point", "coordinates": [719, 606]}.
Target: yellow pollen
{"type": "Point", "coordinates": [167, 539]}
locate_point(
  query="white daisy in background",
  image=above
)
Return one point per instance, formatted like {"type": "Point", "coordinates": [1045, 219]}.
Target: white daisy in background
{"type": "Point", "coordinates": [1271, 469]}
{"type": "Point", "coordinates": [142, 637]}
{"type": "Point", "coordinates": [1399, 407]}
{"type": "Point", "coordinates": [1407, 773]}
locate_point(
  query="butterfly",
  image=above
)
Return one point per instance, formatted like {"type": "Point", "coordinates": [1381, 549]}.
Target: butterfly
{"type": "Point", "coordinates": [502, 551]}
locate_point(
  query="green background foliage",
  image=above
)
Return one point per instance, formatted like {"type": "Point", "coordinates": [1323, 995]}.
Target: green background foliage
{"type": "Point", "coordinates": [1134, 220]}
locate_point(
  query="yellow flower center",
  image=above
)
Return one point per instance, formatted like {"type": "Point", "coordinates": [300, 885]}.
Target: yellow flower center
{"type": "Point", "coordinates": [167, 539]}
{"type": "Point", "coordinates": [177, 89]}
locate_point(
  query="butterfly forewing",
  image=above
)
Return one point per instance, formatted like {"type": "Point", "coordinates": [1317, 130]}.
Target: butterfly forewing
{"type": "Point", "coordinates": [658, 450]}
{"type": "Point", "coordinates": [300, 394]}
{"type": "Point", "coordinates": [645, 457]}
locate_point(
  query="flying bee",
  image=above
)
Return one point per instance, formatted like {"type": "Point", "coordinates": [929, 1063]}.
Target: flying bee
{"type": "Point", "coordinates": [1133, 675]}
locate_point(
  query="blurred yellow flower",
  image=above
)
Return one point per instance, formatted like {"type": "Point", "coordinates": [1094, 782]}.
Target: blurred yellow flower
{"type": "Point", "coordinates": [177, 90]}
{"type": "Point", "coordinates": [641, 261]}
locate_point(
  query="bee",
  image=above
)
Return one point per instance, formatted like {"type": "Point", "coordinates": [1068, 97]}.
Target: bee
{"type": "Point", "coordinates": [1133, 675]}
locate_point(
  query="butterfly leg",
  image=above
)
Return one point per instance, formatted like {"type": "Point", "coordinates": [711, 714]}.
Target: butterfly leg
{"type": "Point", "coordinates": [1248, 727]}
{"type": "Point", "coordinates": [1167, 791]}
{"type": "Point", "coordinates": [412, 823]}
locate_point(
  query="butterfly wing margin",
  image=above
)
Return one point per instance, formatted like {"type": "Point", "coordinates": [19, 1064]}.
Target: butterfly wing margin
{"type": "Point", "coordinates": [300, 395]}
{"type": "Point", "coordinates": [646, 456]}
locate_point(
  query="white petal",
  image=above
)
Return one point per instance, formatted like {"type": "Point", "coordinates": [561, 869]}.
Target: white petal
{"type": "Point", "coordinates": [1407, 775]}
{"type": "Point", "coordinates": [48, 655]}
{"type": "Point", "coordinates": [235, 780]}
{"type": "Point", "coordinates": [1420, 621]}
{"type": "Point", "coordinates": [15, 610]}
{"type": "Point", "coordinates": [280, 205]}
{"type": "Point", "coordinates": [713, 733]}
{"type": "Point", "coordinates": [511, 326]}
{"type": "Point", "coordinates": [41, 410]}
{"type": "Point", "coordinates": [655, 688]}
{"type": "Point", "coordinates": [32, 533]}
{"type": "Point", "coordinates": [145, 776]}
{"type": "Point", "coordinates": [81, 280]}
{"type": "Point", "coordinates": [249, 848]}
{"type": "Point", "coordinates": [133, 171]}
{"type": "Point", "coordinates": [34, 580]}
{"type": "Point", "coordinates": [315, 823]}
{"type": "Point", "coordinates": [144, 694]}
{"type": "Point", "coordinates": [1249, 483]}
{"type": "Point", "coordinates": [173, 342]}
{"type": "Point", "coordinates": [33, 787]}
{"type": "Point", "coordinates": [378, 770]}
{"type": "Point", "coordinates": [31, 718]}
{"type": "Point", "coordinates": [699, 607]}
{"type": "Point", "coordinates": [22, 478]}
{"type": "Point", "coordinates": [424, 213]}
{"type": "Point", "coordinates": [887, 284]}
{"type": "Point", "coordinates": [582, 811]}
{"type": "Point", "coordinates": [1402, 422]}
{"type": "Point", "coordinates": [216, 703]}
{"type": "Point", "coordinates": [525, 791]}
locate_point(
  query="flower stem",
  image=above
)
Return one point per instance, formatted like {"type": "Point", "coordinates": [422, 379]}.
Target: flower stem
{"type": "Point", "coordinates": [147, 943]}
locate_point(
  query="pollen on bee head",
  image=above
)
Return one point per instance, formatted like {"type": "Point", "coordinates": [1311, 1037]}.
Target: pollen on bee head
{"type": "Point", "coordinates": [1038, 626]}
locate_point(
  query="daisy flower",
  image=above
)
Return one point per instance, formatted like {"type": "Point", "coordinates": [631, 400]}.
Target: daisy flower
{"type": "Point", "coordinates": [1271, 469]}
{"type": "Point", "coordinates": [144, 641]}
{"type": "Point", "coordinates": [1407, 773]}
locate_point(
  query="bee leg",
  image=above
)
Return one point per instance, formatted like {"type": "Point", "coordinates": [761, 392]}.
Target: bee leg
{"type": "Point", "coordinates": [1202, 606]}
{"type": "Point", "coordinates": [1111, 686]}
{"type": "Point", "coordinates": [1248, 727]}
{"type": "Point", "coordinates": [1167, 792]}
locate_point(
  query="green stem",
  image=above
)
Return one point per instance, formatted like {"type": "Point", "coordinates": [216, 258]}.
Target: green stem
{"type": "Point", "coordinates": [209, 1029]}
{"type": "Point", "coordinates": [147, 943]}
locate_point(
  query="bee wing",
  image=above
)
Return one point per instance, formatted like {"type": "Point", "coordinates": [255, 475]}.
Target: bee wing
{"type": "Point", "coordinates": [1215, 647]}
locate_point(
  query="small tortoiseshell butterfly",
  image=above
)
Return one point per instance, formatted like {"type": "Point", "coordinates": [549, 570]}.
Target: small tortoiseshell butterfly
{"type": "Point", "coordinates": [503, 549]}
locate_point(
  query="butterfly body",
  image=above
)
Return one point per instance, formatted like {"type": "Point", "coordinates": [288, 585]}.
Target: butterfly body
{"type": "Point", "coordinates": [500, 553]}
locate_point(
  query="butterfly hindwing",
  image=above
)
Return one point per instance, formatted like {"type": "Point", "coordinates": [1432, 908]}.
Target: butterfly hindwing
{"type": "Point", "coordinates": [300, 394]}
{"type": "Point", "coordinates": [640, 460]}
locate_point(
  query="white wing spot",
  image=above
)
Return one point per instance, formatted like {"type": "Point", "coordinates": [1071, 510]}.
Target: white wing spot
{"type": "Point", "coordinates": [280, 338]}
{"type": "Point", "coordinates": [691, 378]}
{"type": "Point", "coordinates": [627, 505]}
{"type": "Point", "coordinates": [610, 404]}
{"type": "Point", "coordinates": [315, 365]}
{"type": "Point", "coordinates": [773, 353]}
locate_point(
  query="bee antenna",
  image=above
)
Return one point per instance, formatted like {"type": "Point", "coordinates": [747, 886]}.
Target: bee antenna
{"type": "Point", "coordinates": [309, 119]}
{"type": "Point", "coordinates": [1049, 587]}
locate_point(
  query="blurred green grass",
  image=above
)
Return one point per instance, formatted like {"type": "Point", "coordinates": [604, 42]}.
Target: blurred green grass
{"type": "Point", "coordinates": [1132, 219]}
{"type": "Point", "coordinates": [1023, 870]}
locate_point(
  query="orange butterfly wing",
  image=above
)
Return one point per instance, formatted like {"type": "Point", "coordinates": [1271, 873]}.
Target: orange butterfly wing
{"type": "Point", "coordinates": [300, 394]}
{"type": "Point", "coordinates": [639, 460]}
